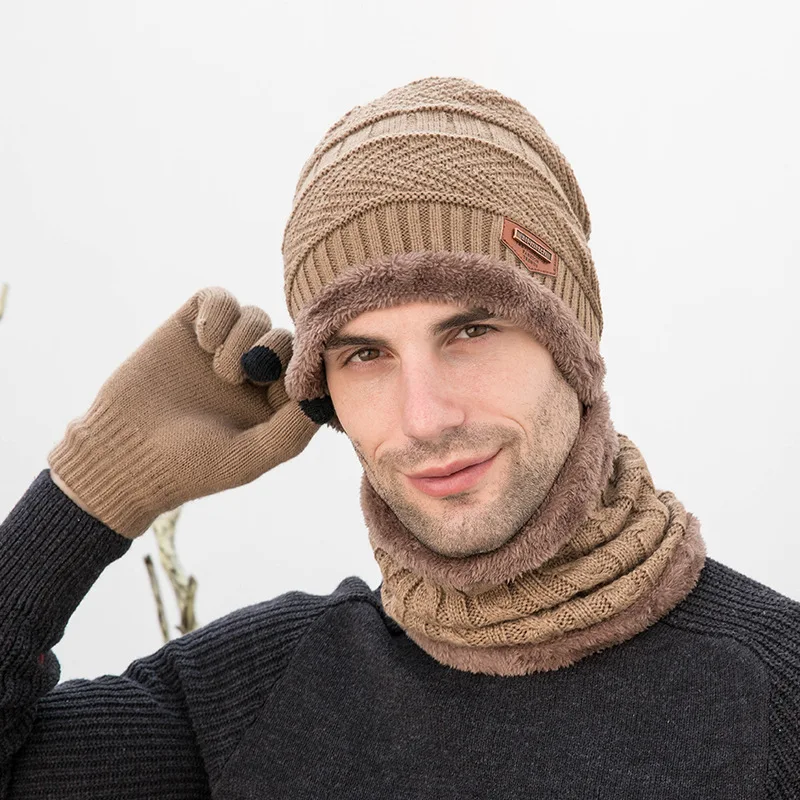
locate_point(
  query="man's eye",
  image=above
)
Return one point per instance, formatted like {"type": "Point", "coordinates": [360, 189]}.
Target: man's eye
{"type": "Point", "coordinates": [373, 353]}
{"type": "Point", "coordinates": [359, 355]}
{"type": "Point", "coordinates": [474, 331]}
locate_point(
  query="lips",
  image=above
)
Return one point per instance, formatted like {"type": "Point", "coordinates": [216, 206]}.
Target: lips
{"type": "Point", "coordinates": [458, 476]}
{"type": "Point", "coordinates": [449, 469]}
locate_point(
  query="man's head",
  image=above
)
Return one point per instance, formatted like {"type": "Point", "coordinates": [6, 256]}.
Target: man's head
{"type": "Point", "coordinates": [461, 419]}
{"type": "Point", "coordinates": [438, 199]}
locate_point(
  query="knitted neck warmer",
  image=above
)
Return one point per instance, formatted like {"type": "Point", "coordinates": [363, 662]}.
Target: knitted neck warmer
{"type": "Point", "coordinates": [604, 557]}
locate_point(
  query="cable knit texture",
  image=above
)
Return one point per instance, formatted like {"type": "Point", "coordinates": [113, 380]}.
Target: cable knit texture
{"type": "Point", "coordinates": [603, 558]}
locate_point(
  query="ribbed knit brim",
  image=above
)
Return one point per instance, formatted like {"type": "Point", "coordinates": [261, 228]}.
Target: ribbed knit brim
{"type": "Point", "coordinates": [472, 279]}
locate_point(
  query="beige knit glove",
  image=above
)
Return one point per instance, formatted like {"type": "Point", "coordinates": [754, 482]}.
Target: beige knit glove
{"type": "Point", "coordinates": [198, 408]}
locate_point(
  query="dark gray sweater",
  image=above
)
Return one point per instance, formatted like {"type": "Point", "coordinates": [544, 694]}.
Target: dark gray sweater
{"type": "Point", "coordinates": [309, 696]}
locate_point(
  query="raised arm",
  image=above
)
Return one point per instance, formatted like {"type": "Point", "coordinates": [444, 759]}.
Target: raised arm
{"type": "Point", "coordinates": [198, 408]}
{"type": "Point", "coordinates": [167, 726]}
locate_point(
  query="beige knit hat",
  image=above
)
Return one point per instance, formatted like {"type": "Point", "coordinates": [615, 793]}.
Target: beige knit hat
{"type": "Point", "coordinates": [446, 190]}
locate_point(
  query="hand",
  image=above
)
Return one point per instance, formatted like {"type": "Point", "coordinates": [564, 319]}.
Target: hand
{"type": "Point", "coordinates": [198, 408]}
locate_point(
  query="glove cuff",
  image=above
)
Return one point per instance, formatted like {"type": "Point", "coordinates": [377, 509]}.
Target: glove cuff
{"type": "Point", "coordinates": [120, 478]}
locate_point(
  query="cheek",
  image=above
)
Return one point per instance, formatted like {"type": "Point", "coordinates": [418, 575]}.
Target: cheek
{"type": "Point", "coordinates": [364, 413]}
{"type": "Point", "coordinates": [500, 385]}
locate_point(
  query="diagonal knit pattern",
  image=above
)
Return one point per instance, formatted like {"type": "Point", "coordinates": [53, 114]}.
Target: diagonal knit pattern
{"type": "Point", "coordinates": [437, 165]}
{"type": "Point", "coordinates": [466, 105]}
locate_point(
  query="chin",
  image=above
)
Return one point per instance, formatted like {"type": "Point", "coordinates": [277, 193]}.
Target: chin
{"type": "Point", "coordinates": [462, 549]}
{"type": "Point", "coordinates": [461, 538]}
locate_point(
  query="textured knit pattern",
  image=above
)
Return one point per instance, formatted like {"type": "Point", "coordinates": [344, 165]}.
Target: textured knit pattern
{"type": "Point", "coordinates": [768, 625]}
{"type": "Point", "coordinates": [603, 558]}
{"type": "Point", "coordinates": [437, 165]}
{"type": "Point", "coordinates": [324, 696]}
{"type": "Point", "coordinates": [615, 557]}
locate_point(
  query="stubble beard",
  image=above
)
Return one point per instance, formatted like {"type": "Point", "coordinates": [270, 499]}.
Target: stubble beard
{"type": "Point", "coordinates": [482, 520]}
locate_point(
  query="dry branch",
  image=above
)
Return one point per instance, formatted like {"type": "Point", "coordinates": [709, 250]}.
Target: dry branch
{"type": "Point", "coordinates": [184, 586]}
{"type": "Point", "coordinates": [162, 617]}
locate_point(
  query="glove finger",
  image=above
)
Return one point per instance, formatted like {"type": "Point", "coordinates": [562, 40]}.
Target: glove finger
{"type": "Point", "coordinates": [276, 394]}
{"type": "Point", "coordinates": [253, 325]}
{"type": "Point", "coordinates": [268, 358]}
{"type": "Point", "coordinates": [285, 434]}
{"type": "Point", "coordinates": [212, 311]}
{"type": "Point", "coordinates": [319, 409]}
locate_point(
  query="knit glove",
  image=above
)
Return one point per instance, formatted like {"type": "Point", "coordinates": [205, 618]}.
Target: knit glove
{"type": "Point", "coordinates": [198, 408]}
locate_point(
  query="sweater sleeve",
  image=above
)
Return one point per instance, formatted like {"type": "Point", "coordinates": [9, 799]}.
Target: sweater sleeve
{"type": "Point", "coordinates": [163, 728]}
{"type": "Point", "coordinates": [727, 603]}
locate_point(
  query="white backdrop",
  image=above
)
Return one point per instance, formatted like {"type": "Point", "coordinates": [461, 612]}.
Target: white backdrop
{"type": "Point", "coordinates": [148, 149]}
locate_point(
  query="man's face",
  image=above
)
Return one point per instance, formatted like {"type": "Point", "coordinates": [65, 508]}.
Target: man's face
{"type": "Point", "coordinates": [461, 420]}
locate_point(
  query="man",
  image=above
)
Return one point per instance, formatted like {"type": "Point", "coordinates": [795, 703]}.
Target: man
{"type": "Point", "coordinates": [548, 624]}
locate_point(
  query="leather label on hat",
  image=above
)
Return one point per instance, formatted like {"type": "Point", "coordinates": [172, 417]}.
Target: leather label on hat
{"type": "Point", "coordinates": [529, 248]}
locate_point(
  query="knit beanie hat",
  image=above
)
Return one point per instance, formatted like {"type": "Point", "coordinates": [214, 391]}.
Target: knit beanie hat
{"type": "Point", "coordinates": [449, 191]}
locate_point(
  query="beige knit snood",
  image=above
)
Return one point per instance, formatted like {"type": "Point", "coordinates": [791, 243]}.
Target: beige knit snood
{"type": "Point", "coordinates": [604, 557]}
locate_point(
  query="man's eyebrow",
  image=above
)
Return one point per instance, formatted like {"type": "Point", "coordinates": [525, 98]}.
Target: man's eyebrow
{"type": "Point", "coordinates": [454, 321]}
{"type": "Point", "coordinates": [459, 319]}
{"type": "Point", "coordinates": [336, 341]}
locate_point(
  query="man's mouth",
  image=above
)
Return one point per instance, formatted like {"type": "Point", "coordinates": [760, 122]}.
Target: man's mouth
{"type": "Point", "coordinates": [458, 476]}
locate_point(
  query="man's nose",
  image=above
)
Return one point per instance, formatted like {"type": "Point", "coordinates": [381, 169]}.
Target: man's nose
{"type": "Point", "coordinates": [429, 402]}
